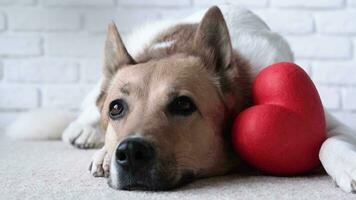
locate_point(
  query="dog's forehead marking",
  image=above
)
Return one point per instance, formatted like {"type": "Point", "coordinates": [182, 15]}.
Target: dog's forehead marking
{"type": "Point", "coordinates": [164, 44]}
{"type": "Point", "coordinates": [125, 89]}
{"type": "Point", "coordinates": [131, 80]}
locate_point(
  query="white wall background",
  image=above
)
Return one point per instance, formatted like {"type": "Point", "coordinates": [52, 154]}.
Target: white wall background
{"type": "Point", "coordinates": [50, 50]}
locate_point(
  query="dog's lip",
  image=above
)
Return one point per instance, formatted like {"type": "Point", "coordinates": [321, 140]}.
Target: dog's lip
{"type": "Point", "coordinates": [135, 186]}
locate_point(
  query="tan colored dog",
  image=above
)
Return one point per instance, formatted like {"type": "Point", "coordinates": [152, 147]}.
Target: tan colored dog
{"type": "Point", "coordinates": [164, 112]}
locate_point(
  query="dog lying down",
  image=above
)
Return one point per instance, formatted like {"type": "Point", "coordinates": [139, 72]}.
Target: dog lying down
{"type": "Point", "coordinates": [162, 110]}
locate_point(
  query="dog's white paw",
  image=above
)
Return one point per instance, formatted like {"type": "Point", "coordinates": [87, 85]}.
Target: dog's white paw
{"type": "Point", "coordinates": [345, 176]}
{"type": "Point", "coordinates": [100, 164]}
{"type": "Point", "coordinates": [83, 136]}
{"type": "Point", "coordinates": [338, 157]}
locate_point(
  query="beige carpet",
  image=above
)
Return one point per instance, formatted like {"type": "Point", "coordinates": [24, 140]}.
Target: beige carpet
{"type": "Point", "coordinates": [52, 170]}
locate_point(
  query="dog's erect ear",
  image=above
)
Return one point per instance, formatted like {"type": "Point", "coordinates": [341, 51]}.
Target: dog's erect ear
{"type": "Point", "coordinates": [212, 36]}
{"type": "Point", "coordinates": [212, 41]}
{"type": "Point", "coordinates": [116, 54]}
{"type": "Point", "coordinates": [115, 57]}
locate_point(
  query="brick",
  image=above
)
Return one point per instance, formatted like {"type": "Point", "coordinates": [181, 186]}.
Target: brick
{"type": "Point", "coordinates": [2, 22]}
{"type": "Point", "coordinates": [34, 19]}
{"type": "Point", "coordinates": [307, 3]}
{"type": "Point", "coordinates": [354, 47]}
{"type": "Point", "coordinates": [349, 99]}
{"type": "Point", "coordinates": [351, 3]}
{"type": "Point", "coordinates": [20, 46]}
{"type": "Point", "coordinates": [289, 22]}
{"type": "Point", "coordinates": [17, 2]}
{"type": "Point", "coordinates": [18, 97]}
{"type": "Point", "coordinates": [6, 118]}
{"type": "Point", "coordinates": [77, 2]}
{"type": "Point", "coordinates": [1, 72]}
{"type": "Point", "coordinates": [92, 70]}
{"type": "Point", "coordinates": [160, 3]}
{"type": "Point", "coordinates": [349, 118]}
{"type": "Point", "coordinates": [74, 45]}
{"type": "Point", "coordinates": [330, 97]}
{"type": "Point", "coordinates": [320, 47]}
{"type": "Point", "coordinates": [125, 19]}
{"type": "Point", "coordinates": [96, 21]}
{"type": "Point", "coordinates": [250, 3]}
{"type": "Point", "coordinates": [177, 13]}
{"type": "Point", "coordinates": [336, 22]}
{"type": "Point", "coordinates": [329, 72]}
{"type": "Point", "coordinates": [41, 70]}
{"type": "Point", "coordinates": [64, 96]}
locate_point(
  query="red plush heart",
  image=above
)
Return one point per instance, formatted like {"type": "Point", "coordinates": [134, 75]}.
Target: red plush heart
{"type": "Point", "coordinates": [282, 133]}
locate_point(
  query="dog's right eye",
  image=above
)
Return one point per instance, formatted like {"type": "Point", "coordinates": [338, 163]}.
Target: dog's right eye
{"type": "Point", "coordinates": [117, 109]}
{"type": "Point", "coordinates": [182, 105]}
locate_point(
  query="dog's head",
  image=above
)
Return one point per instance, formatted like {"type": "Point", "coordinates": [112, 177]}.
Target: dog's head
{"type": "Point", "coordinates": [164, 118]}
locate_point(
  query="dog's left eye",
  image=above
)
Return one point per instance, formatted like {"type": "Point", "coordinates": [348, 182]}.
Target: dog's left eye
{"type": "Point", "coordinates": [117, 109]}
{"type": "Point", "coordinates": [182, 105]}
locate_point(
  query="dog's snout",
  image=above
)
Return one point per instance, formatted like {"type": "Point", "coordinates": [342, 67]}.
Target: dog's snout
{"type": "Point", "coordinates": [131, 154]}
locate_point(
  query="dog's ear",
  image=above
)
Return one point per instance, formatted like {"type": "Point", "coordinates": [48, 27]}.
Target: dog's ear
{"type": "Point", "coordinates": [115, 57]}
{"type": "Point", "coordinates": [212, 37]}
{"type": "Point", "coordinates": [212, 41]}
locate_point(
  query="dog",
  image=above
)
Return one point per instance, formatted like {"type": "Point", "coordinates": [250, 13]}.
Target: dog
{"type": "Point", "coordinates": [162, 112]}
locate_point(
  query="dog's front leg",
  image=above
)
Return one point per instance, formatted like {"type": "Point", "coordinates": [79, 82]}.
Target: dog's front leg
{"type": "Point", "coordinates": [100, 164]}
{"type": "Point", "coordinates": [338, 154]}
{"type": "Point", "coordinates": [85, 131]}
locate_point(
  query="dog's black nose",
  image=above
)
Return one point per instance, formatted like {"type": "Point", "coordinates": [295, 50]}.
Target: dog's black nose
{"type": "Point", "coordinates": [133, 153]}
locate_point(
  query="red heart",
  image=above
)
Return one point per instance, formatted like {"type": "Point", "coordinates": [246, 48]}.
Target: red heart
{"type": "Point", "coordinates": [282, 133]}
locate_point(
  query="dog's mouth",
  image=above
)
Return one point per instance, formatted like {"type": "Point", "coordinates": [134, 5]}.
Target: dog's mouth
{"type": "Point", "coordinates": [133, 172]}
{"type": "Point", "coordinates": [136, 186]}
{"type": "Point", "coordinates": [185, 179]}
{"type": "Point", "coordinates": [152, 181]}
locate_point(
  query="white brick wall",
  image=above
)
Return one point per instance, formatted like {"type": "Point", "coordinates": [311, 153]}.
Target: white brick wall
{"type": "Point", "coordinates": [71, 3]}
{"type": "Point", "coordinates": [51, 50]}
{"type": "Point", "coordinates": [74, 45]}
{"type": "Point", "coordinates": [321, 47]}
{"type": "Point", "coordinates": [38, 19]}
{"type": "Point", "coordinates": [41, 71]}
{"type": "Point", "coordinates": [18, 97]}
{"type": "Point", "coordinates": [66, 96]}
{"type": "Point", "coordinates": [288, 22]}
{"type": "Point", "coordinates": [314, 4]}
{"type": "Point", "coordinates": [20, 46]}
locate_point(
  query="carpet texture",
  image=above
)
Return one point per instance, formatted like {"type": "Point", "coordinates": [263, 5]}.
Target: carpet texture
{"type": "Point", "coordinates": [53, 170]}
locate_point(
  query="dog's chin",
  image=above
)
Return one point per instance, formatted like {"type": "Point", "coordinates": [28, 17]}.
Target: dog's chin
{"type": "Point", "coordinates": [150, 182]}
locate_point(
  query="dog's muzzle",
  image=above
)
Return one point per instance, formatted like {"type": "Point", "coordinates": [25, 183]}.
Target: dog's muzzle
{"type": "Point", "coordinates": [137, 166]}
{"type": "Point", "coordinates": [135, 159]}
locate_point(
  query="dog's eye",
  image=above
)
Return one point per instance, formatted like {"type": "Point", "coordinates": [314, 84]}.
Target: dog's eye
{"type": "Point", "coordinates": [117, 109]}
{"type": "Point", "coordinates": [182, 105]}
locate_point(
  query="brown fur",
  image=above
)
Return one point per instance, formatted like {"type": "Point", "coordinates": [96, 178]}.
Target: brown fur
{"type": "Point", "coordinates": [200, 64]}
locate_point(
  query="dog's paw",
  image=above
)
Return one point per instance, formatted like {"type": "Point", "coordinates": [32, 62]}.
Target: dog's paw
{"type": "Point", "coordinates": [100, 164]}
{"type": "Point", "coordinates": [345, 177]}
{"type": "Point", "coordinates": [83, 136]}
{"type": "Point", "coordinates": [338, 157]}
